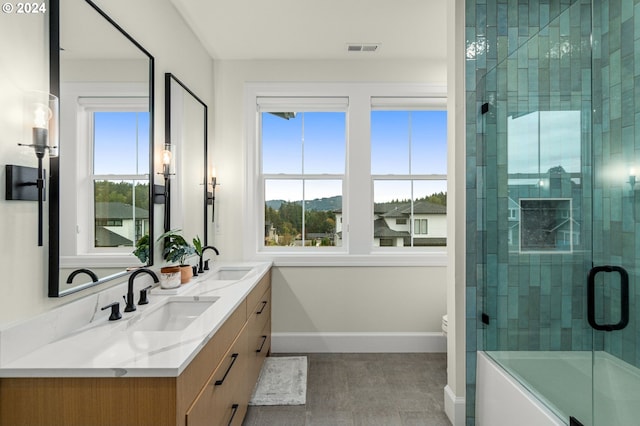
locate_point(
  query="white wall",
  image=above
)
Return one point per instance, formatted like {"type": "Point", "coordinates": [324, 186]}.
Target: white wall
{"type": "Point", "coordinates": [321, 299]}
{"type": "Point", "coordinates": [23, 67]}
{"type": "Point", "coordinates": [158, 27]}
{"type": "Point", "coordinates": [358, 299]}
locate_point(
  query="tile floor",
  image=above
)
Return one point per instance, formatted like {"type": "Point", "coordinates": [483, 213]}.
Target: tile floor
{"type": "Point", "coordinates": [365, 390]}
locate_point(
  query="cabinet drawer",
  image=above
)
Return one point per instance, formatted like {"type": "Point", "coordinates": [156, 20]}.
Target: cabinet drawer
{"type": "Point", "coordinates": [196, 375]}
{"type": "Point", "coordinates": [222, 398]}
{"type": "Point", "coordinates": [256, 294]}
{"type": "Point", "coordinates": [261, 311]}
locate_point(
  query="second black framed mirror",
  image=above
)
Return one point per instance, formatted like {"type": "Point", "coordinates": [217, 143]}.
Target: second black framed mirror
{"type": "Point", "coordinates": [186, 137]}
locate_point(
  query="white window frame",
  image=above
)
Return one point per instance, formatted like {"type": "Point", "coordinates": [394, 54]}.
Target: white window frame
{"type": "Point", "coordinates": [79, 252]}
{"type": "Point", "coordinates": [357, 210]}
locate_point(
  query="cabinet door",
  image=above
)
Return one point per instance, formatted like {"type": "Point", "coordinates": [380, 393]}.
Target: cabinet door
{"type": "Point", "coordinates": [220, 402]}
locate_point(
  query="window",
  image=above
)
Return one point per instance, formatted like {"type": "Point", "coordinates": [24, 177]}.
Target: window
{"type": "Point", "coordinates": [105, 203]}
{"type": "Point", "coordinates": [420, 226]}
{"type": "Point", "coordinates": [120, 189]}
{"type": "Point", "coordinates": [346, 172]}
{"type": "Point", "coordinates": [303, 145]}
{"type": "Point", "coordinates": [409, 166]}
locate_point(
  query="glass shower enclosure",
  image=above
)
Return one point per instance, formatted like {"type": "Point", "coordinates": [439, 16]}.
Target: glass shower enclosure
{"type": "Point", "coordinates": [561, 215]}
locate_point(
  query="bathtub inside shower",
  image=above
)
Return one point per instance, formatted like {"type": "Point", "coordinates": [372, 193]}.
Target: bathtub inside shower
{"type": "Point", "coordinates": [540, 388]}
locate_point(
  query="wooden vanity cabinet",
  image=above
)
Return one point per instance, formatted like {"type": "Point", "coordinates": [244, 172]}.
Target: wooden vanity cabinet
{"type": "Point", "coordinates": [191, 399]}
{"type": "Point", "coordinates": [225, 397]}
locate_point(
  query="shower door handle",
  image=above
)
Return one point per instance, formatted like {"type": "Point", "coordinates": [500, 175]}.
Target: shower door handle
{"type": "Point", "coordinates": [624, 298]}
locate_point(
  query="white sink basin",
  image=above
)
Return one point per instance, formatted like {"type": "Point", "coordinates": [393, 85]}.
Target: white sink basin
{"type": "Point", "coordinates": [175, 315]}
{"type": "Point", "coordinates": [230, 273]}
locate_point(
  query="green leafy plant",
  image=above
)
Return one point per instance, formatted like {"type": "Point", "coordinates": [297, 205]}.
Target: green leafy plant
{"type": "Point", "coordinates": [142, 249]}
{"type": "Point", "coordinates": [197, 244]}
{"type": "Point", "coordinates": [176, 248]}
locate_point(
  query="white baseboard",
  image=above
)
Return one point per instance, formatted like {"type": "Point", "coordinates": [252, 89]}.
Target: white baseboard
{"type": "Point", "coordinates": [454, 407]}
{"type": "Point", "coordinates": [357, 342]}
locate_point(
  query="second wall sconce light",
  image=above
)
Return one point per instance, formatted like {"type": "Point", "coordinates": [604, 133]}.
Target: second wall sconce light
{"type": "Point", "coordinates": [162, 194]}
{"type": "Point", "coordinates": [211, 196]}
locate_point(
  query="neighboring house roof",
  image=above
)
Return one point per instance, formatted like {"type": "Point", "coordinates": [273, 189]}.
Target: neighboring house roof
{"type": "Point", "coordinates": [112, 210]}
{"type": "Point", "coordinates": [106, 238]}
{"type": "Point", "coordinates": [421, 207]}
{"type": "Point", "coordinates": [425, 207]}
{"type": "Point", "coordinates": [382, 230]}
{"type": "Point", "coordinates": [397, 213]}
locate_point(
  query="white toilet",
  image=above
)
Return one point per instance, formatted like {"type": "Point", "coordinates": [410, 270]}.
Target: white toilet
{"type": "Point", "coordinates": [445, 322]}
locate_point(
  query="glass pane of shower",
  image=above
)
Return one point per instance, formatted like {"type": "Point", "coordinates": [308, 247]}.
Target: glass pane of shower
{"type": "Point", "coordinates": [537, 211]}
{"type": "Point", "coordinates": [616, 214]}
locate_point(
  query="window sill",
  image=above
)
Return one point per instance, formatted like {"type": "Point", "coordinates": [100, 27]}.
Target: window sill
{"type": "Point", "coordinates": [99, 261]}
{"type": "Point", "coordinates": [380, 259]}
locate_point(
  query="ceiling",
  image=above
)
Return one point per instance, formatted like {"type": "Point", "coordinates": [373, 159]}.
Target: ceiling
{"type": "Point", "coordinates": [318, 29]}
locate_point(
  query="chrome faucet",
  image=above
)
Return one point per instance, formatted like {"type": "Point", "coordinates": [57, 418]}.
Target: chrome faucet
{"type": "Point", "coordinates": [130, 307]}
{"type": "Point", "coordinates": [200, 268]}
{"type": "Point", "coordinates": [89, 272]}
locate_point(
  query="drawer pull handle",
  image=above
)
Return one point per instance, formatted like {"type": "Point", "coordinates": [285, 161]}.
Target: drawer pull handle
{"type": "Point", "coordinates": [234, 410]}
{"type": "Point", "coordinates": [264, 340]}
{"type": "Point", "coordinates": [264, 305]}
{"type": "Point", "coordinates": [234, 357]}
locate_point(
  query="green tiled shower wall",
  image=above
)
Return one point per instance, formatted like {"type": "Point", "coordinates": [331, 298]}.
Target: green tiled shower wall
{"type": "Point", "coordinates": [525, 56]}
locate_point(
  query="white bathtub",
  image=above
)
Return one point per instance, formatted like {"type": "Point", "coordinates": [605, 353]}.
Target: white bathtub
{"type": "Point", "coordinates": [547, 387]}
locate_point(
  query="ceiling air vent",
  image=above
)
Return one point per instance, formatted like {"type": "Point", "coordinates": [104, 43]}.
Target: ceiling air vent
{"type": "Point", "coordinates": [362, 47]}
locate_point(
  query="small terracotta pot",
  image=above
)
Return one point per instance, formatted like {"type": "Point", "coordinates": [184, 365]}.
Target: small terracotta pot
{"type": "Point", "coordinates": [186, 273]}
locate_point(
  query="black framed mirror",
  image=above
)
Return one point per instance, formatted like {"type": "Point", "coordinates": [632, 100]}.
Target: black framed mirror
{"type": "Point", "coordinates": [101, 185]}
{"type": "Point", "coordinates": [186, 134]}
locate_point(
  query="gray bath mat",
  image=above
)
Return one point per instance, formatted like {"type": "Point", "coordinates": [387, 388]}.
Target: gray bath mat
{"type": "Point", "coordinates": [282, 381]}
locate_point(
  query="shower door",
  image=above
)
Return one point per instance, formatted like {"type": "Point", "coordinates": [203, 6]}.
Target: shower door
{"type": "Point", "coordinates": [537, 214]}
{"type": "Point", "coordinates": [615, 156]}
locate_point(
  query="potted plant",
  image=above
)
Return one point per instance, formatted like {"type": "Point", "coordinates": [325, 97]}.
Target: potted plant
{"type": "Point", "coordinates": [177, 249]}
{"type": "Point", "coordinates": [170, 276]}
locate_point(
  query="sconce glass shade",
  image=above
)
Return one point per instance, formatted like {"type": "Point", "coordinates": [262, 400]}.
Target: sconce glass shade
{"type": "Point", "coordinates": [167, 162]}
{"type": "Point", "coordinates": [41, 113]}
{"type": "Point", "coordinates": [213, 177]}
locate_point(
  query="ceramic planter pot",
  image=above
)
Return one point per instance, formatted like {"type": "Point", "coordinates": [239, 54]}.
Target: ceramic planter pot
{"type": "Point", "coordinates": [170, 277]}
{"type": "Point", "coordinates": [186, 273]}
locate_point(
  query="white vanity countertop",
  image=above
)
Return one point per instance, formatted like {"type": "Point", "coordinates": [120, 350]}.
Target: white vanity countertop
{"type": "Point", "coordinates": [110, 349]}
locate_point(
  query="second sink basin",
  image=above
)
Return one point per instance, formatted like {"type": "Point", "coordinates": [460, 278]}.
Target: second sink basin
{"type": "Point", "coordinates": [230, 273]}
{"type": "Point", "coordinates": [175, 315]}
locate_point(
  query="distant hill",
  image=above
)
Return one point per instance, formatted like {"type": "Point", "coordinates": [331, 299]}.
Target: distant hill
{"type": "Point", "coordinates": [319, 204]}
{"type": "Point", "coordinates": [335, 203]}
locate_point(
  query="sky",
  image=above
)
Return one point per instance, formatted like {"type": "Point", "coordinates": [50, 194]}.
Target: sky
{"type": "Point", "coordinates": [315, 142]}
{"type": "Point", "coordinates": [121, 143]}
{"type": "Point", "coordinates": [402, 142]}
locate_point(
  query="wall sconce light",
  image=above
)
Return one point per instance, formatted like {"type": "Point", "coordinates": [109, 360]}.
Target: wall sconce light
{"type": "Point", "coordinates": [162, 194]}
{"type": "Point", "coordinates": [211, 196]}
{"type": "Point", "coordinates": [632, 177]}
{"type": "Point", "coordinates": [41, 123]}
